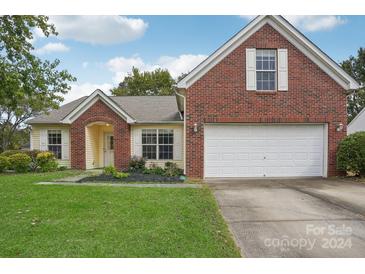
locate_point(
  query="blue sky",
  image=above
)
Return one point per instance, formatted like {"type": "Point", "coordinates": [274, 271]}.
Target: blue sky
{"type": "Point", "coordinates": [100, 50]}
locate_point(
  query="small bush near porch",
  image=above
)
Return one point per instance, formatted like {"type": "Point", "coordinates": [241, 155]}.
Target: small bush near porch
{"type": "Point", "coordinates": [86, 221]}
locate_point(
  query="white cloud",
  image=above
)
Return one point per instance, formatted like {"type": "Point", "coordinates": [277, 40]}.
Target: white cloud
{"type": "Point", "coordinates": [311, 23]}
{"type": "Point", "coordinates": [52, 47]}
{"type": "Point", "coordinates": [85, 89]}
{"type": "Point", "coordinates": [121, 66]}
{"type": "Point", "coordinates": [181, 64]}
{"type": "Point", "coordinates": [316, 23]}
{"type": "Point", "coordinates": [248, 17]}
{"type": "Point", "coordinates": [85, 64]}
{"type": "Point", "coordinates": [99, 29]}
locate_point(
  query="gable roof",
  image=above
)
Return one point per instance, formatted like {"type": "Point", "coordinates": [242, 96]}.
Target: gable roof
{"type": "Point", "coordinates": [290, 33]}
{"type": "Point", "coordinates": [150, 109]}
{"type": "Point", "coordinates": [89, 101]}
{"type": "Point", "coordinates": [141, 109]}
{"type": "Point", "coordinates": [55, 116]}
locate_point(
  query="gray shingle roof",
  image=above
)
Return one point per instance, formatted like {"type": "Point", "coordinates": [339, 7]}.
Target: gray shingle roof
{"type": "Point", "coordinates": [144, 109]}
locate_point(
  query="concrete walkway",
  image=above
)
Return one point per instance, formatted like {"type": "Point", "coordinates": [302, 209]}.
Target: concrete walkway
{"type": "Point", "coordinates": [80, 176]}
{"type": "Point", "coordinates": [152, 185]}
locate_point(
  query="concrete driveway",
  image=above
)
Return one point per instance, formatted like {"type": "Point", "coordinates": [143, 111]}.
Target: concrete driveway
{"type": "Point", "coordinates": [294, 217]}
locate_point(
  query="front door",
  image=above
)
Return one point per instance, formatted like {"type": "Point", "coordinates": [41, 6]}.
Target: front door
{"type": "Point", "coordinates": [108, 149]}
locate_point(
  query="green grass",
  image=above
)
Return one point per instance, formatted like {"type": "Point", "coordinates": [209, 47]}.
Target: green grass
{"type": "Point", "coordinates": [87, 221]}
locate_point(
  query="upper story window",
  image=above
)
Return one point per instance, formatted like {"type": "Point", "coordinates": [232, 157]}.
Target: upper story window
{"type": "Point", "coordinates": [265, 69]}
{"type": "Point", "coordinates": [55, 142]}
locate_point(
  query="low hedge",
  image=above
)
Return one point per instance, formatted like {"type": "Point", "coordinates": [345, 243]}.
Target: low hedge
{"type": "Point", "coordinates": [20, 162]}
{"type": "Point", "coordinates": [351, 154]}
{"type": "Point", "coordinates": [46, 161]}
{"type": "Point", "coordinates": [4, 163]}
{"type": "Point", "coordinates": [25, 160]}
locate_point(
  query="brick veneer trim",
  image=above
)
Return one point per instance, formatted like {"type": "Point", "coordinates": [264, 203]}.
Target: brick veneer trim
{"type": "Point", "coordinates": [100, 112]}
{"type": "Point", "coordinates": [220, 96]}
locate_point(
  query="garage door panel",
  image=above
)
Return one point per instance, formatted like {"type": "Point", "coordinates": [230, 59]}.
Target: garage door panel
{"type": "Point", "coordinates": [263, 150]}
{"type": "Point", "coordinates": [212, 157]}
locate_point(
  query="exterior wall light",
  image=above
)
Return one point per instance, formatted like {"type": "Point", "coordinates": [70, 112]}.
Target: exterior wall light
{"type": "Point", "coordinates": [195, 127]}
{"type": "Point", "coordinates": [339, 127]}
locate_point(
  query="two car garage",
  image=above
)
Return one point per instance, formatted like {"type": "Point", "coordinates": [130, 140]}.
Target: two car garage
{"type": "Point", "coordinates": [265, 150]}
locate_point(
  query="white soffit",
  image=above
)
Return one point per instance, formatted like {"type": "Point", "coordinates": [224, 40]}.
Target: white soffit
{"type": "Point", "coordinates": [92, 99]}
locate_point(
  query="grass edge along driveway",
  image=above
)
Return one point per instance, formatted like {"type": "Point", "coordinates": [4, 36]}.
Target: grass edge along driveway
{"type": "Point", "coordinates": [65, 221]}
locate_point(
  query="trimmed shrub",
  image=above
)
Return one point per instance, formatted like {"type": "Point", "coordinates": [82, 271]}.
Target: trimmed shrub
{"type": "Point", "coordinates": [171, 169]}
{"type": "Point", "coordinates": [11, 152]}
{"type": "Point", "coordinates": [156, 170]}
{"type": "Point", "coordinates": [62, 168]}
{"type": "Point", "coordinates": [46, 161]}
{"type": "Point", "coordinates": [109, 170]}
{"type": "Point", "coordinates": [4, 163]}
{"type": "Point", "coordinates": [121, 175]}
{"type": "Point", "coordinates": [33, 155]}
{"type": "Point", "coordinates": [20, 162]}
{"type": "Point", "coordinates": [137, 163]}
{"type": "Point", "coordinates": [351, 154]}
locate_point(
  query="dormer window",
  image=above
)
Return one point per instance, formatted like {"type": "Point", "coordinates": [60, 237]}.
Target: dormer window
{"type": "Point", "coordinates": [266, 69]}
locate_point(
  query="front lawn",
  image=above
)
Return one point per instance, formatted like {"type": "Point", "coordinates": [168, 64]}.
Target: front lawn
{"type": "Point", "coordinates": [87, 221]}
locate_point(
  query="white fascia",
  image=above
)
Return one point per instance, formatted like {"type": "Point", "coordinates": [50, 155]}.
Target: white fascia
{"type": "Point", "coordinates": [291, 34]}
{"type": "Point", "coordinates": [92, 99]}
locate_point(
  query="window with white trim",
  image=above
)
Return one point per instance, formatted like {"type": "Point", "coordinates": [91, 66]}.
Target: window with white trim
{"type": "Point", "coordinates": [55, 142]}
{"type": "Point", "coordinates": [265, 69]}
{"type": "Point", "coordinates": [158, 144]}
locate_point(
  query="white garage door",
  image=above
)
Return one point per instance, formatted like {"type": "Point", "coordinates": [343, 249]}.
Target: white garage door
{"type": "Point", "coordinates": [263, 150]}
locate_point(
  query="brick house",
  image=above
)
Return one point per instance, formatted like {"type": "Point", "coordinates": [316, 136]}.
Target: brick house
{"type": "Point", "coordinates": [268, 103]}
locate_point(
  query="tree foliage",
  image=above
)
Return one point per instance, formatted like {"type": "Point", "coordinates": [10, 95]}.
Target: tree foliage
{"type": "Point", "coordinates": [28, 85]}
{"type": "Point", "coordinates": [157, 82]}
{"type": "Point", "coordinates": [355, 66]}
{"type": "Point", "coordinates": [351, 154]}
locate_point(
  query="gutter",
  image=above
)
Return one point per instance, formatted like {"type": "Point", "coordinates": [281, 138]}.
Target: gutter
{"type": "Point", "coordinates": [157, 122]}
{"type": "Point", "coordinates": [182, 97]}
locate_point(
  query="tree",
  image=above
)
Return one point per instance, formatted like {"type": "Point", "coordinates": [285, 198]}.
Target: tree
{"type": "Point", "coordinates": [355, 66]}
{"type": "Point", "coordinates": [182, 76]}
{"type": "Point", "coordinates": [28, 85]}
{"type": "Point", "coordinates": [157, 82]}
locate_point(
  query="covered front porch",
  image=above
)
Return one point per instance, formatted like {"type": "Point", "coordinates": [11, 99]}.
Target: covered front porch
{"type": "Point", "coordinates": [99, 145]}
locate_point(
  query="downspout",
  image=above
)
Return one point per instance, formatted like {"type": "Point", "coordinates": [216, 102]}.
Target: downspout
{"type": "Point", "coordinates": [184, 129]}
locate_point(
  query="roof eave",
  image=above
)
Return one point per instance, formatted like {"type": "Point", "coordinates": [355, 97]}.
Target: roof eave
{"type": "Point", "coordinates": [320, 58]}
{"type": "Point", "coordinates": [159, 122]}
{"type": "Point", "coordinates": [97, 94]}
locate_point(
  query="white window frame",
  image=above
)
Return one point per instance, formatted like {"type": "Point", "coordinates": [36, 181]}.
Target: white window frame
{"type": "Point", "coordinates": [60, 145]}
{"type": "Point", "coordinates": [267, 70]}
{"type": "Point", "coordinates": [158, 143]}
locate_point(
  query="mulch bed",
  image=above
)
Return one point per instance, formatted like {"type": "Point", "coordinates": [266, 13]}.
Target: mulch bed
{"type": "Point", "coordinates": [133, 177]}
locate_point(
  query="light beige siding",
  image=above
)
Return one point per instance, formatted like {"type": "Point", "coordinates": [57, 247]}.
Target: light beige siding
{"type": "Point", "coordinates": [94, 138]}
{"type": "Point", "coordinates": [92, 147]}
{"type": "Point", "coordinates": [35, 139]}
{"type": "Point", "coordinates": [178, 142]}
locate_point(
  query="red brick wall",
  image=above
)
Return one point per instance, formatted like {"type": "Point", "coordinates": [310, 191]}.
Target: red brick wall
{"type": "Point", "coordinates": [100, 112]}
{"type": "Point", "coordinates": [221, 96]}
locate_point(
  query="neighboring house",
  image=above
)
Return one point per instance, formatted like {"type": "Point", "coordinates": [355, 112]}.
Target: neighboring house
{"type": "Point", "coordinates": [357, 124]}
{"type": "Point", "coordinates": [268, 103]}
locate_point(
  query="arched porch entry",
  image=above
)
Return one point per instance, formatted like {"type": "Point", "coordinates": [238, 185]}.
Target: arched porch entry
{"type": "Point", "coordinates": [99, 145]}
{"type": "Point", "coordinates": [90, 134]}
